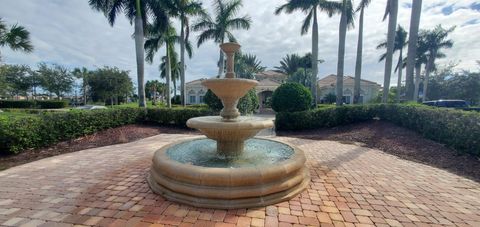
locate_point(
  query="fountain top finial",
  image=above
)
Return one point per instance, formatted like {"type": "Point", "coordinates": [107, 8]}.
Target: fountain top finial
{"type": "Point", "coordinates": [230, 49]}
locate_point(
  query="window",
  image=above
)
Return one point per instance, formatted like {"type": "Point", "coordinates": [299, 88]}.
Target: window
{"type": "Point", "coordinates": [360, 100]}
{"type": "Point", "coordinates": [193, 99]}
{"type": "Point", "coordinates": [201, 99]}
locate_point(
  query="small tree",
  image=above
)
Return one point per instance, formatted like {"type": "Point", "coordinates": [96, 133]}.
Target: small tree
{"type": "Point", "coordinates": [110, 84]}
{"type": "Point", "coordinates": [55, 79]}
{"type": "Point", "coordinates": [17, 79]}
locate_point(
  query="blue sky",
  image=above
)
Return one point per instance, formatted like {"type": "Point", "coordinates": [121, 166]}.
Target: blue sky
{"type": "Point", "coordinates": [72, 34]}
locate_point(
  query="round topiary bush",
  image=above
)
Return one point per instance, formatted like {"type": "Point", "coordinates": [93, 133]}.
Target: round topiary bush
{"type": "Point", "coordinates": [291, 97]}
{"type": "Point", "coordinates": [246, 105]}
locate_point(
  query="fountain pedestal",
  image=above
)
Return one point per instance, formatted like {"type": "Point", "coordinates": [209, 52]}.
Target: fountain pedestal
{"type": "Point", "coordinates": [224, 171]}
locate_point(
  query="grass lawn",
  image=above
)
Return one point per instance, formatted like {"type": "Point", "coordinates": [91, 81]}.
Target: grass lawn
{"type": "Point", "coordinates": [7, 115]}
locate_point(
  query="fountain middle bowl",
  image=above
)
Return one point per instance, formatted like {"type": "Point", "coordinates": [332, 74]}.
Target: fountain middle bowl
{"type": "Point", "coordinates": [191, 172]}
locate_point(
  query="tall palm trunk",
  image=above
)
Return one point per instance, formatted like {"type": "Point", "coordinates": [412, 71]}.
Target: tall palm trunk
{"type": "Point", "coordinates": [140, 56]}
{"type": "Point", "coordinates": [182, 64]}
{"type": "Point", "coordinates": [418, 71]}
{"type": "Point", "coordinates": [174, 88]}
{"type": "Point", "coordinates": [412, 47]}
{"type": "Point", "coordinates": [392, 24]}
{"type": "Point", "coordinates": [341, 57]}
{"type": "Point", "coordinates": [314, 57]}
{"type": "Point", "coordinates": [428, 70]}
{"type": "Point", "coordinates": [169, 77]}
{"type": "Point", "coordinates": [400, 69]}
{"type": "Point", "coordinates": [358, 63]}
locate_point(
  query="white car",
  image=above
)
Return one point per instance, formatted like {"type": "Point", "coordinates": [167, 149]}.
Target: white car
{"type": "Point", "coordinates": [91, 107]}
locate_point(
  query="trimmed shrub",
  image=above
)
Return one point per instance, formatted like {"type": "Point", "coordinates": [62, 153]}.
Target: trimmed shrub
{"type": "Point", "coordinates": [51, 104]}
{"type": "Point", "coordinates": [17, 134]}
{"type": "Point", "coordinates": [325, 117]}
{"type": "Point", "coordinates": [174, 116]}
{"type": "Point", "coordinates": [291, 97]}
{"type": "Point", "coordinates": [246, 105]}
{"type": "Point", "coordinates": [33, 131]}
{"type": "Point", "coordinates": [24, 104]}
{"type": "Point", "coordinates": [212, 101]}
{"type": "Point", "coordinates": [455, 128]}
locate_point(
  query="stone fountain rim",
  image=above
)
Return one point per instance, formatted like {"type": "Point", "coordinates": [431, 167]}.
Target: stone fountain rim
{"type": "Point", "coordinates": [254, 123]}
{"type": "Point", "coordinates": [218, 176]}
{"type": "Point", "coordinates": [223, 80]}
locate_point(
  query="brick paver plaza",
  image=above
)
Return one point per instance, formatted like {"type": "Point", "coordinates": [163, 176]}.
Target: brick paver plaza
{"type": "Point", "coordinates": [351, 186]}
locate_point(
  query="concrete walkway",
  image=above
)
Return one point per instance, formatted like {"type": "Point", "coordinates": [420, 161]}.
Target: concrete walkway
{"type": "Point", "coordinates": [351, 186]}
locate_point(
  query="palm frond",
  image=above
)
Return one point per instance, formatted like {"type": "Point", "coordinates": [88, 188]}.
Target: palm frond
{"type": "Point", "coordinates": [363, 4]}
{"type": "Point", "coordinates": [206, 35]}
{"type": "Point", "coordinates": [387, 10]}
{"type": "Point", "coordinates": [17, 38]}
{"type": "Point", "coordinates": [239, 23]}
{"type": "Point", "coordinates": [307, 22]}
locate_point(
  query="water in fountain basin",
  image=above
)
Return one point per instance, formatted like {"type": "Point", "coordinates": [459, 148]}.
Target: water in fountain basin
{"type": "Point", "coordinates": [203, 152]}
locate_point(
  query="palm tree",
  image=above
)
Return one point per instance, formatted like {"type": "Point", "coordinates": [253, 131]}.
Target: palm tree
{"type": "Point", "coordinates": [435, 40]}
{"type": "Point", "coordinates": [346, 21]}
{"type": "Point", "coordinates": [358, 64]}
{"type": "Point", "coordinates": [183, 9]}
{"type": "Point", "coordinates": [175, 66]}
{"type": "Point", "coordinates": [83, 74]}
{"type": "Point", "coordinates": [421, 59]}
{"type": "Point", "coordinates": [247, 65]}
{"type": "Point", "coordinates": [400, 44]}
{"type": "Point", "coordinates": [412, 46]}
{"type": "Point", "coordinates": [290, 64]}
{"type": "Point", "coordinates": [136, 11]}
{"type": "Point", "coordinates": [391, 11]}
{"type": "Point", "coordinates": [17, 38]}
{"type": "Point", "coordinates": [159, 36]}
{"type": "Point", "coordinates": [311, 8]}
{"type": "Point", "coordinates": [220, 28]}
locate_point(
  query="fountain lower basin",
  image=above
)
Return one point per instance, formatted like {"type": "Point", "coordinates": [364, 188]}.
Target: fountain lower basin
{"type": "Point", "coordinates": [190, 172]}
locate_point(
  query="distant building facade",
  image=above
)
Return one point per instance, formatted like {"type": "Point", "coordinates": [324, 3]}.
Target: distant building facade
{"type": "Point", "coordinates": [368, 89]}
{"type": "Point", "coordinates": [269, 81]}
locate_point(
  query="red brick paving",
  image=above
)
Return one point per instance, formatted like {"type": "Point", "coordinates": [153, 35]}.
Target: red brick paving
{"type": "Point", "coordinates": [351, 186]}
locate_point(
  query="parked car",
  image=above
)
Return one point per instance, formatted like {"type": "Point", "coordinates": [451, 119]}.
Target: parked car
{"type": "Point", "coordinates": [452, 103]}
{"type": "Point", "coordinates": [90, 107]}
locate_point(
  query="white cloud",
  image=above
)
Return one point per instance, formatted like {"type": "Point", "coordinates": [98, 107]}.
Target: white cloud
{"type": "Point", "coordinates": [72, 34]}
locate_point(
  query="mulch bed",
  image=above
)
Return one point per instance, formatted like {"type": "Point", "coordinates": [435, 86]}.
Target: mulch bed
{"type": "Point", "coordinates": [380, 135]}
{"type": "Point", "coordinates": [400, 142]}
{"type": "Point", "coordinates": [107, 137]}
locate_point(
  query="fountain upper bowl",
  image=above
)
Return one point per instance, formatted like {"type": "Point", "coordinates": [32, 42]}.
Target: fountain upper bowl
{"type": "Point", "coordinates": [230, 87]}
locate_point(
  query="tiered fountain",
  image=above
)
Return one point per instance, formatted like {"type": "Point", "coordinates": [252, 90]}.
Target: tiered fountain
{"type": "Point", "coordinates": [230, 169]}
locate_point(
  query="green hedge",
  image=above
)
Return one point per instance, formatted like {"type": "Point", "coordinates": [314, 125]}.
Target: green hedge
{"type": "Point", "coordinates": [30, 104]}
{"type": "Point", "coordinates": [51, 104]}
{"type": "Point", "coordinates": [33, 131]}
{"type": "Point", "coordinates": [455, 128]}
{"type": "Point", "coordinates": [325, 117]}
{"type": "Point", "coordinates": [24, 104]}
{"type": "Point", "coordinates": [174, 116]}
